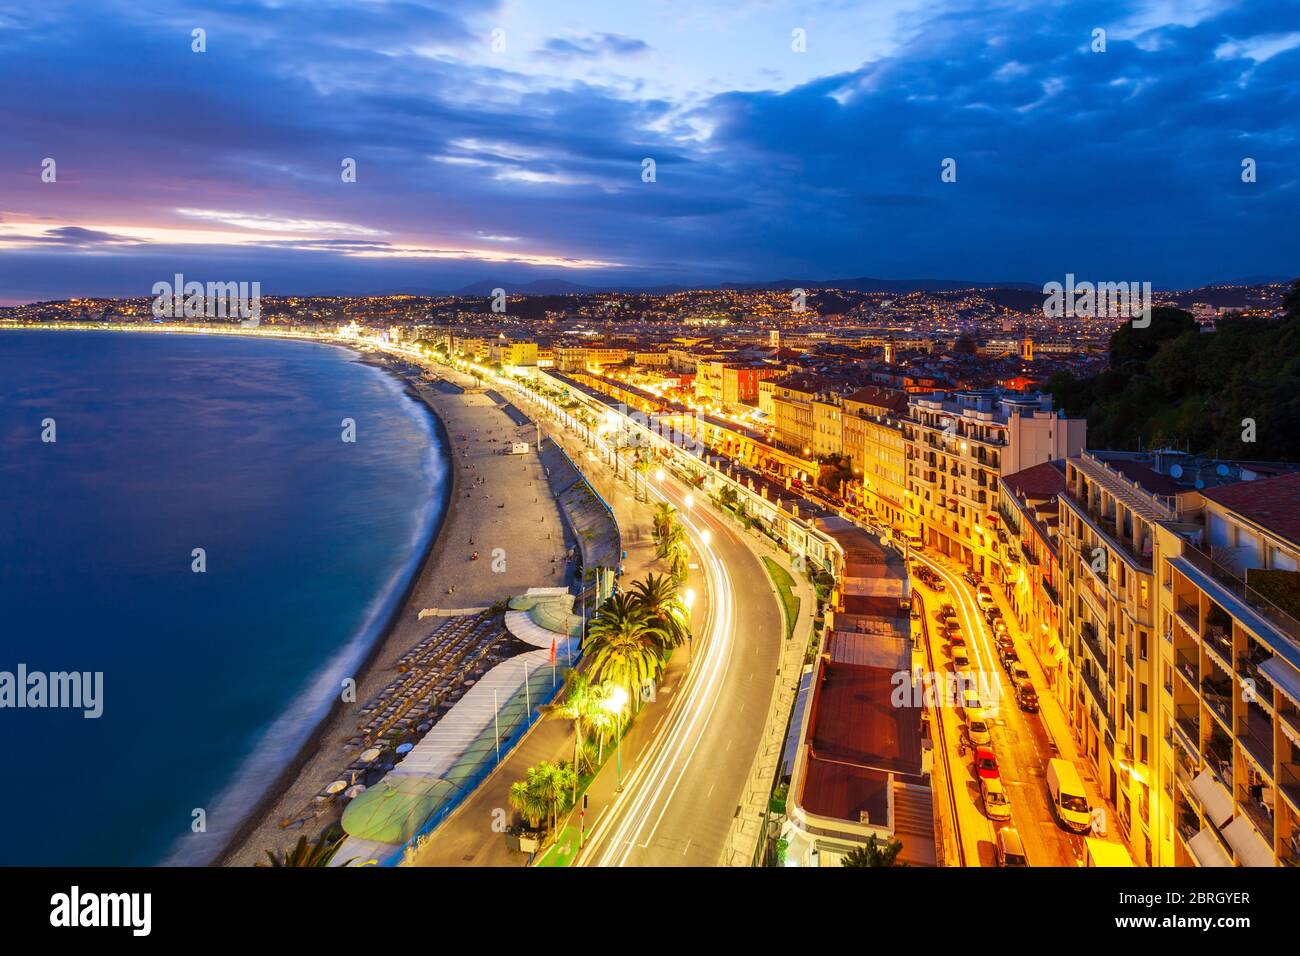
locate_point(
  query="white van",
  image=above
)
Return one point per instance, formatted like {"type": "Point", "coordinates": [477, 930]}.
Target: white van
{"type": "Point", "coordinates": [1068, 797]}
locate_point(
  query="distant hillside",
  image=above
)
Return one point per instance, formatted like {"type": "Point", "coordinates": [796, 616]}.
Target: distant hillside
{"type": "Point", "coordinates": [1173, 382]}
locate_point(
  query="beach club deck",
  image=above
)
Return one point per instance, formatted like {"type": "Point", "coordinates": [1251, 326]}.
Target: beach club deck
{"type": "Point", "coordinates": [465, 745]}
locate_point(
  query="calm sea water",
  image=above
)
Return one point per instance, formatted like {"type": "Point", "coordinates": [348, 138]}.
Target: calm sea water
{"type": "Point", "coordinates": [167, 443]}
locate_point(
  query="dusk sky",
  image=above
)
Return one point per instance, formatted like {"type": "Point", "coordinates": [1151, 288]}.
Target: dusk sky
{"type": "Point", "coordinates": [526, 163]}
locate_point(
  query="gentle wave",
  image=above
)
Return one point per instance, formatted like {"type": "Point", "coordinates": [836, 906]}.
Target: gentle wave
{"type": "Point", "coordinates": [286, 736]}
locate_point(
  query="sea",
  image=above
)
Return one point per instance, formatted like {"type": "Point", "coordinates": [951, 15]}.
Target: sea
{"type": "Point", "coordinates": [183, 516]}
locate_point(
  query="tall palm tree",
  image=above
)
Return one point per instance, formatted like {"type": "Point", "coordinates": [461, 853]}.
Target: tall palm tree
{"type": "Point", "coordinates": [576, 704]}
{"type": "Point", "coordinates": [642, 467]}
{"type": "Point", "coordinates": [674, 537]}
{"type": "Point", "coordinates": [679, 560]}
{"type": "Point", "coordinates": [665, 516]}
{"type": "Point", "coordinates": [658, 595]}
{"type": "Point", "coordinates": [624, 643]}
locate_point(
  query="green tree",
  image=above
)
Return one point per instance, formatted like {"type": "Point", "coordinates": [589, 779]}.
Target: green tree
{"type": "Point", "coordinates": [874, 854]}
{"type": "Point", "coordinates": [658, 594]}
{"type": "Point", "coordinates": [308, 853]}
{"type": "Point", "coordinates": [664, 518]}
{"type": "Point", "coordinates": [623, 643]}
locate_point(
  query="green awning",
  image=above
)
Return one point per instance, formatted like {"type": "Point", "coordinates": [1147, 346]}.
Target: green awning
{"type": "Point", "coordinates": [393, 810]}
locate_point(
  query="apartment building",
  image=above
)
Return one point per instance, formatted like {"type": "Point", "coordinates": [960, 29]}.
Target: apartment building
{"type": "Point", "coordinates": [1182, 676]}
{"type": "Point", "coordinates": [827, 439]}
{"type": "Point", "coordinates": [1030, 558]}
{"type": "Point", "coordinates": [959, 445]}
{"type": "Point", "coordinates": [792, 411]}
{"type": "Point", "coordinates": [1229, 743]}
{"type": "Point", "coordinates": [873, 440]}
{"type": "Point", "coordinates": [513, 354]}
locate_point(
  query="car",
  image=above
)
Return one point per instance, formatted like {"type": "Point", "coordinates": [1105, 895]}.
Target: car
{"type": "Point", "coordinates": [1003, 643]}
{"type": "Point", "coordinates": [1010, 851]}
{"type": "Point", "coordinates": [936, 585]}
{"type": "Point", "coordinates": [970, 701]}
{"type": "Point", "coordinates": [996, 804]}
{"type": "Point", "coordinates": [960, 657]}
{"type": "Point", "coordinates": [986, 763]}
{"type": "Point", "coordinates": [977, 729]}
{"type": "Point", "coordinates": [1027, 697]}
{"type": "Point", "coordinates": [972, 578]}
{"type": "Point", "coordinates": [1017, 671]}
{"type": "Point", "coordinates": [1010, 657]}
{"type": "Point", "coordinates": [992, 615]}
{"type": "Point", "coordinates": [955, 638]}
{"type": "Point", "coordinates": [984, 595]}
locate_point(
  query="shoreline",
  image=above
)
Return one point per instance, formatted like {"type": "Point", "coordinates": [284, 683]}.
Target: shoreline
{"type": "Point", "coordinates": [474, 417]}
{"type": "Point", "coordinates": [262, 811]}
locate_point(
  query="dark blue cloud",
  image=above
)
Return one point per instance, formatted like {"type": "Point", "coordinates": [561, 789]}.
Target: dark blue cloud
{"type": "Point", "coordinates": [1123, 164]}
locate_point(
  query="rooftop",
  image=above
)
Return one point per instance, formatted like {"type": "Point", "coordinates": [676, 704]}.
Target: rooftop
{"type": "Point", "coordinates": [1271, 503]}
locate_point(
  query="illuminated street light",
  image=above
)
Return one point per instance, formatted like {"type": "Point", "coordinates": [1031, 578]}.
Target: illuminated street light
{"type": "Point", "coordinates": [615, 703]}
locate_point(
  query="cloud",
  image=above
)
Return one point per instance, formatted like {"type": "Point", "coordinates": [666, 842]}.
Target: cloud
{"type": "Point", "coordinates": [594, 46]}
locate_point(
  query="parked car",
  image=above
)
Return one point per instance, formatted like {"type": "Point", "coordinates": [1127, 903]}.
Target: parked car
{"type": "Point", "coordinates": [1003, 643]}
{"type": "Point", "coordinates": [986, 762]}
{"type": "Point", "coordinates": [1069, 799]}
{"type": "Point", "coordinates": [960, 657]}
{"type": "Point", "coordinates": [1010, 657]}
{"type": "Point", "coordinates": [1017, 672]}
{"type": "Point", "coordinates": [1027, 697]}
{"type": "Point", "coordinates": [972, 578]}
{"type": "Point", "coordinates": [970, 701]}
{"type": "Point", "coordinates": [991, 615]}
{"type": "Point", "coordinates": [984, 595]}
{"type": "Point", "coordinates": [977, 730]}
{"type": "Point", "coordinates": [1010, 851]}
{"type": "Point", "coordinates": [955, 638]}
{"type": "Point", "coordinates": [996, 804]}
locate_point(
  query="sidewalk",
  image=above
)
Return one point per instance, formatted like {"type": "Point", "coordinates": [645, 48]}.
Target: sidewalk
{"type": "Point", "coordinates": [746, 828]}
{"type": "Point", "coordinates": [473, 834]}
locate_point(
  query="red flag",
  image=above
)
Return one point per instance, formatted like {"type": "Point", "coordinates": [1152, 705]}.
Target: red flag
{"type": "Point", "coordinates": [552, 652]}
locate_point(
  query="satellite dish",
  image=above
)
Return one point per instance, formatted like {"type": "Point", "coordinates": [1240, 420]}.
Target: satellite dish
{"type": "Point", "coordinates": [1221, 471]}
{"type": "Point", "coordinates": [1176, 471]}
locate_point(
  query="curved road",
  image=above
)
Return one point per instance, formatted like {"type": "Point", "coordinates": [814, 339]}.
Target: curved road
{"type": "Point", "coordinates": [677, 806]}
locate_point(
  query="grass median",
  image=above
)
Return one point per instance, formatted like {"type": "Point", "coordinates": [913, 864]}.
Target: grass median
{"type": "Point", "coordinates": [785, 587]}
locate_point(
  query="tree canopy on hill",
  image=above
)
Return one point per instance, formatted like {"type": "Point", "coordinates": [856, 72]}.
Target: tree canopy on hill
{"type": "Point", "coordinates": [1173, 383]}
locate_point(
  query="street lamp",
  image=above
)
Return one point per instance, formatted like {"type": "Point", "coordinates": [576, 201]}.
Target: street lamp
{"type": "Point", "coordinates": [688, 599]}
{"type": "Point", "coordinates": [614, 703]}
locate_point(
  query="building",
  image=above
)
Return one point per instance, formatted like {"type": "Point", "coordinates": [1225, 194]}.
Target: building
{"type": "Point", "coordinates": [1183, 667]}
{"type": "Point", "coordinates": [511, 354]}
{"type": "Point", "coordinates": [873, 440]}
{"type": "Point", "coordinates": [1030, 559]}
{"type": "Point", "coordinates": [855, 757]}
{"type": "Point", "coordinates": [827, 438]}
{"type": "Point", "coordinates": [959, 444]}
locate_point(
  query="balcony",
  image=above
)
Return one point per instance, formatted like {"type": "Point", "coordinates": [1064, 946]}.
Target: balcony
{"type": "Point", "coordinates": [1094, 687]}
{"type": "Point", "coordinates": [1217, 694]}
{"type": "Point", "coordinates": [1093, 643]}
{"type": "Point", "coordinates": [1255, 734]}
{"type": "Point", "coordinates": [1229, 579]}
{"type": "Point", "coordinates": [1186, 663]}
{"type": "Point", "coordinates": [1289, 782]}
{"type": "Point", "coordinates": [1218, 639]}
{"type": "Point", "coordinates": [1187, 723]}
{"type": "Point", "coordinates": [1107, 525]}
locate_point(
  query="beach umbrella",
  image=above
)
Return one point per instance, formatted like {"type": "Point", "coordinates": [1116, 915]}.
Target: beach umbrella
{"type": "Point", "coordinates": [337, 786]}
{"type": "Point", "coordinates": [355, 791]}
{"type": "Point", "coordinates": [369, 755]}
{"type": "Point", "coordinates": [405, 748]}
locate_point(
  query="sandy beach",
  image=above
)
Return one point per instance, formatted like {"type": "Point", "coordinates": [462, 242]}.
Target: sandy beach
{"type": "Point", "coordinates": [495, 501]}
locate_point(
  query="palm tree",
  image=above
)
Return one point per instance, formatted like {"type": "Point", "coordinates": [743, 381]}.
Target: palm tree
{"type": "Point", "coordinates": [624, 643]}
{"type": "Point", "coordinates": [873, 854]}
{"type": "Point", "coordinates": [304, 853]}
{"type": "Point", "coordinates": [658, 595]}
{"type": "Point", "coordinates": [679, 560]}
{"type": "Point", "coordinates": [674, 537]}
{"type": "Point", "coordinates": [576, 704]}
{"type": "Point", "coordinates": [528, 802]}
{"type": "Point", "coordinates": [642, 466]}
{"type": "Point", "coordinates": [665, 517]}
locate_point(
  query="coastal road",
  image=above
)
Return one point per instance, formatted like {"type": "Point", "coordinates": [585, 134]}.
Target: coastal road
{"type": "Point", "coordinates": [677, 803]}
{"type": "Point", "coordinates": [677, 806]}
